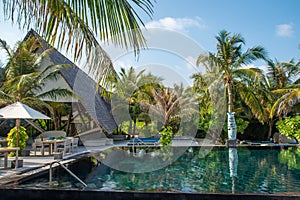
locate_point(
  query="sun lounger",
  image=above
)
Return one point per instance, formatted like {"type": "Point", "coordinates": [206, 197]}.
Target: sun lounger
{"type": "Point", "coordinates": [143, 141]}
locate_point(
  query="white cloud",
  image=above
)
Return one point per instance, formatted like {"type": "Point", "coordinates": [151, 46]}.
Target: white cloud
{"type": "Point", "coordinates": [284, 30]}
{"type": "Point", "coordinates": [176, 24]}
{"type": "Point", "coordinates": [264, 68]}
{"type": "Point", "coordinates": [126, 64]}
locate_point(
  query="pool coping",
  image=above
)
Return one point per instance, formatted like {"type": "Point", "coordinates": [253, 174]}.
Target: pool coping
{"type": "Point", "coordinates": [34, 194]}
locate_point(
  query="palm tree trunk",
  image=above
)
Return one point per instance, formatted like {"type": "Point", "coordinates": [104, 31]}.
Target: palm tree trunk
{"type": "Point", "coordinates": [55, 119]}
{"type": "Point", "coordinates": [230, 97]}
{"type": "Point", "coordinates": [69, 120]}
{"type": "Point", "coordinates": [130, 127]}
{"type": "Point", "coordinates": [231, 121]}
{"type": "Point", "coordinates": [271, 123]}
{"type": "Point", "coordinates": [134, 126]}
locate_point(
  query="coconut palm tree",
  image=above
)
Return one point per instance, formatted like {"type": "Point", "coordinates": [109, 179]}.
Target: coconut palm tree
{"type": "Point", "coordinates": [172, 106]}
{"type": "Point", "coordinates": [230, 61]}
{"type": "Point", "coordinates": [285, 84]}
{"type": "Point", "coordinates": [25, 76]}
{"type": "Point", "coordinates": [282, 74]}
{"type": "Point", "coordinates": [290, 97]}
{"type": "Point", "coordinates": [278, 89]}
{"type": "Point", "coordinates": [131, 92]}
{"type": "Point", "coordinates": [80, 25]}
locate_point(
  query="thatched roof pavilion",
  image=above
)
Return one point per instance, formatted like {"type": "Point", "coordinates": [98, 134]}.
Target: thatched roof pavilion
{"type": "Point", "coordinates": [82, 85]}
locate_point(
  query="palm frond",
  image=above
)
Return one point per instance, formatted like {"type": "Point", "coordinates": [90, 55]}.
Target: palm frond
{"type": "Point", "coordinates": [57, 93]}
{"type": "Point", "coordinates": [250, 98]}
{"type": "Point", "coordinates": [285, 103]}
{"type": "Point", "coordinates": [36, 103]}
{"type": "Point", "coordinates": [76, 24]}
{"type": "Point", "coordinates": [51, 72]}
{"type": "Point", "coordinates": [251, 55]}
{"type": "Point", "coordinates": [252, 75]}
{"type": "Point", "coordinates": [5, 98]}
{"type": "Point", "coordinates": [5, 46]}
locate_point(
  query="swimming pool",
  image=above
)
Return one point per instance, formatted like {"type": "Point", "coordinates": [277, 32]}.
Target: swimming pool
{"type": "Point", "coordinates": [222, 170]}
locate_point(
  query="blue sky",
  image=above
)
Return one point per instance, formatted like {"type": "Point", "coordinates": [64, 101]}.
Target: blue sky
{"type": "Point", "coordinates": [273, 24]}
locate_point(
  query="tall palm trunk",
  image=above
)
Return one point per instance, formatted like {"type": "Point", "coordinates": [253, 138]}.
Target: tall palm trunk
{"type": "Point", "coordinates": [134, 126]}
{"type": "Point", "coordinates": [56, 118]}
{"type": "Point", "coordinates": [271, 123]}
{"type": "Point", "coordinates": [130, 127]}
{"type": "Point", "coordinates": [230, 96]}
{"type": "Point", "coordinates": [231, 125]}
{"type": "Point", "coordinates": [69, 120]}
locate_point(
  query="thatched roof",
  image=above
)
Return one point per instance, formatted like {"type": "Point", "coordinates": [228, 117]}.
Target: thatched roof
{"type": "Point", "coordinates": [83, 86]}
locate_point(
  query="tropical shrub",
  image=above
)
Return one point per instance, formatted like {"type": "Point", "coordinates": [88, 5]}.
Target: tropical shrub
{"type": "Point", "coordinates": [166, 135]}
{"type": "Point", "coordinates": [12, 139]}
{"type": "Point", "coordinates": [290, 127]}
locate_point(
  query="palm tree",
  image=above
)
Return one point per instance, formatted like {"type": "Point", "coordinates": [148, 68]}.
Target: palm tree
{"type": "Point", "coordinates": [229, 61]}
{"type": "Point", "coordinates": [80, 25]}
{"type": "Point", "coordinates": [282, 74]}
{"type": "Point", "coordinates": [172, 106]}
{"type": "Point", "coordinates": [290, 92]}
{"type": "Point", "coordinates": [132, 91]}
{"type": "Point", "coordinates": [280, 92]}
{"type": "Point", "coordinates": [290, 97]}
{"type": "Point", "coordinates": [25, 76]}
{"type": "Point", "coordinates": [202, 93]}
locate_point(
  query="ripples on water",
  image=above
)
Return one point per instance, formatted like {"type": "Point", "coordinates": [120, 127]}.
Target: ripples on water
{"type": "Point", "coordinates": [258, 171]}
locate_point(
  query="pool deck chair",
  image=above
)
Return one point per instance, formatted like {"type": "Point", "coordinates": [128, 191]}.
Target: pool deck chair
{"type": "Point", "coordinates": [143, 141]}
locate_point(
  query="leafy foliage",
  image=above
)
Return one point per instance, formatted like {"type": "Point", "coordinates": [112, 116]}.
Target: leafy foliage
{"type": "Point", "coordinates": [290, 127]}
{"type": "Point", "coordinates": [132, 96]}
{"type": "Point", "coordinates": [241, 125]}
{"type": "Point", "coordinates": [79, 25]}
{"type": "Point", "coordinates": [166, 136]}
{"type": "Point", "coordinates": [27, 73]}
{"type": "Point", "coordinates": [12, 138]}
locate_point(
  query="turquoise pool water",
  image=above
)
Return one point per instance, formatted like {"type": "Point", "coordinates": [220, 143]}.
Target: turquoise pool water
{"type": "Point", "coordinates": [222, 170]}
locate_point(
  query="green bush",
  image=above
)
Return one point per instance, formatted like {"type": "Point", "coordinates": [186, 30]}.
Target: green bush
{"type": "Point", "coordinates": [12, 139]}
{"type": "Point", "coordinates": [290, 127]}
{"type": "Point", "coordinates": [166, 136]}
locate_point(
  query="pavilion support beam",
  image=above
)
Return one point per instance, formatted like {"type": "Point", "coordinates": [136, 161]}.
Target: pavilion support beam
{"type": "Point", "coordinates": [34, 125]}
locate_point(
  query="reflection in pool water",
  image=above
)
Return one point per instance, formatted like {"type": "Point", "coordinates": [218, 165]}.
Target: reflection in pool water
{"type": "Point", "coordinates": [223, 170]}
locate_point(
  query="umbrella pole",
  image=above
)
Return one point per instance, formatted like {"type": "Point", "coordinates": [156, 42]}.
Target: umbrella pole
{"type": "Point", "coordinates": [18, 123]}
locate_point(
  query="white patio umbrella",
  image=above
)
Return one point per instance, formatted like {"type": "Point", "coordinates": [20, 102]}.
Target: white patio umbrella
{"type": "Point", "coordinates": [20, 111]}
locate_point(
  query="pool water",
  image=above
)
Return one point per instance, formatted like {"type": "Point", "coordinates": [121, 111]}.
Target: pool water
{"type": "Point", "coordinates": [222, 170]}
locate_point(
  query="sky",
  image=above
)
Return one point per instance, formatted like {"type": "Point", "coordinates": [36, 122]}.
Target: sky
{"type": "Point", "coordinates": [274, 24]}
{"type": "Point", "coordinates": [193, 25]}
